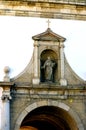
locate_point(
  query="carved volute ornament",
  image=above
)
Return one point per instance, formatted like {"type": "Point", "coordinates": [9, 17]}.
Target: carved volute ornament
{"type": "Point", "coordinates": [6, 97]}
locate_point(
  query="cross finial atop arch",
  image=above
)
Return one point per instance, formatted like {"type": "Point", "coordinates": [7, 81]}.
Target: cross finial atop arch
{"type": "Point", "coordinates": [48, 21]}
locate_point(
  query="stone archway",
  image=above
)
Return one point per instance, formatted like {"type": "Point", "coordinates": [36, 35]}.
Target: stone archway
{"type": "Point", "coordinates": [50, 115]}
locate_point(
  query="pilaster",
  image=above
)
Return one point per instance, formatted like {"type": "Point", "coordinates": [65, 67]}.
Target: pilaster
{"type": "Point", "coordinates": [5, 123]}
{"type": "Point", "coordinates": [35, 64]}
{"type": "Point", "coordinates": [5, 109]}
{"type": "Point", "coordinates": [63, 81]}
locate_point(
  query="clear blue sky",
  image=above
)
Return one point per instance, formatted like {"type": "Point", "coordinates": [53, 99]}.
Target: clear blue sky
{"type": "Point", "coordinates": [16, 44]}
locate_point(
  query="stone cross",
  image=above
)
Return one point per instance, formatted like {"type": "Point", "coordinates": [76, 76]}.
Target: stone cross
{"type": "Point", "coordinates": [48, 21]}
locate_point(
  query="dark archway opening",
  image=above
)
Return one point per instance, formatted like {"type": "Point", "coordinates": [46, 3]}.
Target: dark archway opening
{"type": "Point", "coordinates": [49, 118]}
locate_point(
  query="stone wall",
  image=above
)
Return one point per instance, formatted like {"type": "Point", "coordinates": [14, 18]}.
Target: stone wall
{"type": "Point", "coordinates": [71, 9]}
{"type": "Point", "coordinates": [24, 98]}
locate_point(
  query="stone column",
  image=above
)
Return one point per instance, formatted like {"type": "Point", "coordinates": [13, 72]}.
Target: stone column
{"type": "Point", "coordinates": [5, 122]}
{"type": "Point", "coordinates": [5, 100]}
{"type": "Point", "coordinates": [35, 64]}
{"type": "Point", "coordinates": [62, 80]}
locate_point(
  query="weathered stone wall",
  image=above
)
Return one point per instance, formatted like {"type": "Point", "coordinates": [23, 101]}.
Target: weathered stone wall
{"type": "Point", "coordinates": [67, 9]}
{"type": "Point", "coordinates": [23, 98]}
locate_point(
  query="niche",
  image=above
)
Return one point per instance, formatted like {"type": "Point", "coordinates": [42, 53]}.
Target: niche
{"type": "Point", "coordinates": [48, 66]}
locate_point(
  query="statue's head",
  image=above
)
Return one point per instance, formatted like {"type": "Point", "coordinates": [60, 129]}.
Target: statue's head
{"type": "Point", "coordinates": [48, 57]}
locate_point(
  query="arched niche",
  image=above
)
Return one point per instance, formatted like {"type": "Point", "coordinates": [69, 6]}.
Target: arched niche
{"type": "Point", "coordinates": [48, 53]}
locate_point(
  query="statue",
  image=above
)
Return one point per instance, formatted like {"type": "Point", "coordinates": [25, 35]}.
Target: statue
{"type": "Point", "coordinates": [48, 69]}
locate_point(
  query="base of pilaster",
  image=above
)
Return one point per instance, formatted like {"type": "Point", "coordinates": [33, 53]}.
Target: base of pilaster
{"type": "Point", "coordinates": [36, 81]}
{"type": "Point", "coordinates": [63, 82]}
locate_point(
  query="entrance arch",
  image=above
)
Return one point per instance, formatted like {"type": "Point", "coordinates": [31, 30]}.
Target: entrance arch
{"type": "Point", "coordinates": [50, 115]}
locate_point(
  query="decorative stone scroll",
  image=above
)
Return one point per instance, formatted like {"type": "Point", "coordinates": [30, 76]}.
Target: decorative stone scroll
{"type": "Point", "coordinates": [6, 97]}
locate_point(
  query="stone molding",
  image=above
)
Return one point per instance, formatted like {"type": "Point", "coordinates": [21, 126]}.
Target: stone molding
{"type": "Point", "coordinates": [55, 9]}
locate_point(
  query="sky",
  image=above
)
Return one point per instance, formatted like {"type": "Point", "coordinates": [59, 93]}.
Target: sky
{"type": "Point", "coordinates": [16, 44]}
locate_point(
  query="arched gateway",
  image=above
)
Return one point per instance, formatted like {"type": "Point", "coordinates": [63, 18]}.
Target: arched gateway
{"type": "Point", "coordinates": [42, 95]}
{"type": "Point", "coordinates": [48, 115]}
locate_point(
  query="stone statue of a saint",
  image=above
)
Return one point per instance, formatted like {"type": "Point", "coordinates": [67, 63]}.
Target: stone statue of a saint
{"type": "Point", "coordinates": [48, 69]}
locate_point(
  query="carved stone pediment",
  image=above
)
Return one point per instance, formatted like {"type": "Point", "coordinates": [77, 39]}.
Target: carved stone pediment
{"type": "Point", "coordinates": [49, 35]}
